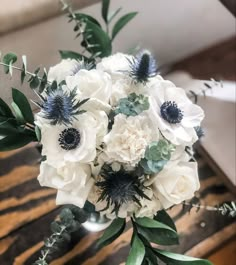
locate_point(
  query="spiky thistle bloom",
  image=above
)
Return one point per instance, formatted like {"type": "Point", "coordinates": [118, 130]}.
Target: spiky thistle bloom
{"type": "Point", "coordinates": [199, 131]}
{"type": "Point", "coordinates": [60, 107]}
{"type": "Point", "coordinates": [143, 66]}
{"type": "Point", "coordinates": [120, 187]}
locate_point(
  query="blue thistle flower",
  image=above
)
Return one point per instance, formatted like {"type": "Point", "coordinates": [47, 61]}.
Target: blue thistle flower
{"type": "Point", "coordinates": [143, 66]}
{"type": "Point", "coordinates": [61, 107]}
{"type": "Point", "coordinates": [199, 131]}
{"type": "Point", "coordinates": [119, 187]}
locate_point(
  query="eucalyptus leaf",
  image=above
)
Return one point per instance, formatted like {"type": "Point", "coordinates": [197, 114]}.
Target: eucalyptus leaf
{"type": "Point", "coordinates": [122, 22]}
{"type": "Point", "coordinates": [177, 259]}
{"type": "Point", "coordinates": [24, 67]}
{"type": "Point", "coordinates": [9, 59]}
{"type": "Point", "coordinates": [22, 102]}
{"type": "Point", "coordinates": [114, 230]}
{"type": "Point", "coordinates": [6, 127]}
{"type": "Point", "coordinates": [38, 133]}
{"type": "Point", "coordinates": [137, 252]}
{"type": "Point", "coordinates": [105, 9]}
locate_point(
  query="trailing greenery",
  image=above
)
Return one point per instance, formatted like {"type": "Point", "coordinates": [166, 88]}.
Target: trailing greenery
{"type": "Point", "coordinates": [133, 105]}
{"type": "Point", "coordinates": [156, 156]}
{"type": "Point", "coordinates": [96, 40]}
{"type": "Point", "coordinates": [70, 220]}
{"type": "Point", "coordinates": [35, 81]}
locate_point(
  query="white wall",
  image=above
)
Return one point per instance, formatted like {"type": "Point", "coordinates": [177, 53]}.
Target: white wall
{"type": "Point", "coordinates": [171, 29]}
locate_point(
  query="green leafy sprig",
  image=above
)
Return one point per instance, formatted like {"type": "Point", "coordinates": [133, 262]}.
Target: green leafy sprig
{"type": "Point", "coordinates": [226, 208]}
{"type": "Point", "coordinates": [96, 41]}
{"type": "Point", "coordinates": [70, 220]}
{"type": "Point", "coordinates": [35, 81]}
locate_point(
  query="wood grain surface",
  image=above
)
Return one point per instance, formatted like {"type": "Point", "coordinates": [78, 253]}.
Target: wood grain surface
{"type": "Point", "coordinates": [26, 211]}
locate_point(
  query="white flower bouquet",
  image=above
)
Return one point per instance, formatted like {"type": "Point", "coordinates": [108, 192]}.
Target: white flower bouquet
{"type": "Point", "coordinates": [116, 139]}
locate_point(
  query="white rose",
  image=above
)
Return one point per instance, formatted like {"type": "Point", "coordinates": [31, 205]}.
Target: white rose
{"type": "Point", "coordinates": [128, 139]}
{"type": "Point", "coordinates": [72, 143]}
{"type": "Point", "coordinates": [173, 113]}
{"type": "Point", "coordinates": [176, 183]}
{"type": "Point", "coordinates": [65, 68]}
{"type": "Point", "coordinates": [73, 182]}
{"type": "Point", "coordinates": [91, 84]}
{"type": "Point", "coordinates": [116, 65]}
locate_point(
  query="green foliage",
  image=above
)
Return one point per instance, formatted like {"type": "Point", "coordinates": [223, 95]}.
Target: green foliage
{"type": "Point", "coordinates": [163, 217]}
{"type": "Point", "coordinates": [73, 55]}
{"type": "Point", "coordinates": [22, 102]}
{"type": "Point", "coordinates": [71, 218]}
{"type": "Point", "coordinates": [133, 105]}
{"type": "Point", "coordinates": [96, 41]}
{"type": "Point", "coordinates": [123, 21]}
{"type": "Point", "coordinates": [157, 155]}
{"type": "Point", "coordinates": [156, 232]}
{"type": "Point", "coordinates": [114, 230]}
{"type": "Point", "coordinates": [105, 9]}
{"type": "Point", "coordinates": [9, 59]}
{"type": "Point", "coordinates": [177, 259]}
{"type": "Point", "coordinates": [137, 252]}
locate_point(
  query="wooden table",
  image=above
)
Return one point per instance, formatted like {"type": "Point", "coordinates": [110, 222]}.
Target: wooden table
{"type": "Point", "coordinates": [26, 211]}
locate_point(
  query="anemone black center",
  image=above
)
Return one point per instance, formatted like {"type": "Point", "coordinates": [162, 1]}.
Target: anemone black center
{"type": "Point", "coordinates": [170, 112]}
{"type": "Point", "coordinates": [69, 139]}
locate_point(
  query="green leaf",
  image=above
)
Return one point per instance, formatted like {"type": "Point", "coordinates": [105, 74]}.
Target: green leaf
{"type": "Point", "coordinates": [34, 82]}
{"type": "Point", "coordinates": [98, 40]}
{"type": "Point", "coordinates": [22, 102]}
{"type": "Point", "coordinates": [137, 252]}
{"type": "Point", "coordinates": [113, 14]}
{"type": "Point", "coordinates": [122, 22]}
{"type": "Point", "coordinates": [163, 217]}
{"type": "Point", "coordinates": [159, 236]}
{"type": "Point", "coordinates": [15, 141]}
{"type": "Point", "coordinates": [19, 116]}
{"type": "Point", "coordinates": [9, 59]}
{"type": "Point", "coordinates": [151, 223]}
{"type": "Point", "coordinates": [4, 109]}
{"type": "Point", "coordinates": [38, 133]}
{"type": "Point", "coordinates": [84, 17]}
{"type": "Point", "coordinates": [6, 126]}
{"type": "Point", "coordinates": [177, 259]}
{"type": "Point", "coordinates": [114, 230]}
{"type": "Point", "coordinates": [105, 8]}
{"type": "Point", "coordinates": [43, 82]}
{"type": "Point", "coordinates": [23, 73]}
{"type": "Point", "coordinates": [72, 55]}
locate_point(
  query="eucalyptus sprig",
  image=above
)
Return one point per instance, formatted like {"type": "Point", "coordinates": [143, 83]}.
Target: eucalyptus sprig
{"type": "Point", "coordinates": [226, 208]}
{"type": "Point", "coordinates": [35, 81]}
{"type": "Point", "coordinates": [70, 219]}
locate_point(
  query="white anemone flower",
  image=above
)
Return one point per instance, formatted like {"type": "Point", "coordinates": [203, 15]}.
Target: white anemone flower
{"type": "Point", "coordinates": [75, 142]}
{"type": "Point", "coordinates": [174, 113]}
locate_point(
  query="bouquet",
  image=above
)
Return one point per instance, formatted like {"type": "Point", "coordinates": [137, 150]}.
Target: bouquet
{"type": "Point", "coordinates": [116, 139]}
